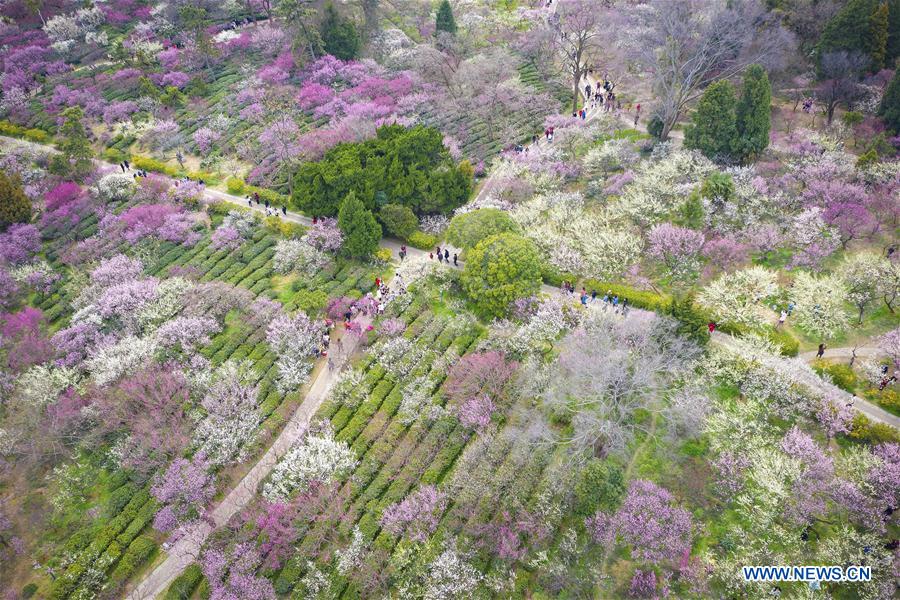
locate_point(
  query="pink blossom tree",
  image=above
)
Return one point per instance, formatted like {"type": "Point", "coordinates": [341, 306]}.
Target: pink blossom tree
{"type": "Point", "coordinates": [20, 243]}
{"type": "Point", "coordinates": [657, 530]}
{"type": "Point", "coordinates": [678, 248]}
{"type": "Point", "coordinates": [184, 490]}
{"type": "Point", "coordinates": [25, 341]}
{"type": "Point", "coordinates": [417, 515]}
{"type": "Point", "coordinates": [150, 407]}
{"type": "Point", "coordinates": [477, 384]}
{"type": "Point", "coordinates": [232, 575]}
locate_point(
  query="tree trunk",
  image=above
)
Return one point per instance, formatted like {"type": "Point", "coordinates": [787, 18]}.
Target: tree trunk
{"type": "Point", "coordinates": [575, 88]}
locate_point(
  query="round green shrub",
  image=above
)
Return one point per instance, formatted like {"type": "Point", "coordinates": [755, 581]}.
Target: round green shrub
{"type": "Point", "coordinates": [499, 270]}
{"type": "Point", "coordinates": [469, 228]}
{"type": "Point", "coordinates": [422, 240]}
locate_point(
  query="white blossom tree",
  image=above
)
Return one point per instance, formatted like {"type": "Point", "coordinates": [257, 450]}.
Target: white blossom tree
{"type": "Point", "coordinates": [318, 458]}
{"type": "Point", "coordinates": [820, 304]}
{"type": "Point", "coordinates": [736, 297]}
{"type": "Point", "coordinates": [295, 340]}
{"type": "Point", "coordinates": [865, 275]}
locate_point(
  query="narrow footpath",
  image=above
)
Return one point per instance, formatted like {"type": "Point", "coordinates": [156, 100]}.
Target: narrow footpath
{"type": "Point", "coordinates": [187, 549]}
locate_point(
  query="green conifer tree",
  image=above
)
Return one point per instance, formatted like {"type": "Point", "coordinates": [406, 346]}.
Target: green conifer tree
{"type": "Point", "coordinates": [890, 104]}
{"type": "Point", "coordinates": [714, 128]}
{"type": "Point", "coordinates": [879, 36]}
{"type": "Point", "coordinates": [444, 20]}
{"type": "Point", "coordinates": [753, 114]}
{"type": "Point", "coordinates": [339, 35]}
{"type": "Point", "coordinates": [361, 231]}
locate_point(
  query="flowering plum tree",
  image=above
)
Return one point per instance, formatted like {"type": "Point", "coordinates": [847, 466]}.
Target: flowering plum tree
{"type": "Point", "coordinates": [417, 515]}
{"type": "Point", "coordinates": [231, 416]}
{"type": "Point", "coordinates": [820, 304]}
{"type": "Point", "coordinates": [657, 530]}
{"type": "Point", "coordinates": [295, 340]}
{"type": "Point", "coordinates": [678, 248]}
{"type": "Point", "coordinates": [318, 458]}
{"type": "Point", "coordinates": [184, 489]}
{"type": "Point", "coordinates": [736, 297]}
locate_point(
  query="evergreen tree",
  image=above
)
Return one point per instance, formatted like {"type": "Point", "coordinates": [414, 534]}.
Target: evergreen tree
{"type": "Point", "coordinates": [691, 213]}
{"type": "Point", "coordinates": [753, 114]}
{"type": "Point", "coordinates": [361, 231]}
{"type": "Point", "coordinates": [879, 36]}
{"type": "Point", "coordinates": [74, 159]}
{"type": "Point", "coordinates": [851, 30]}
{"type": "Point", "coordinates": [15, 207]}
{"type": "Point", "coordinates": [500, 269]}
{"type": "Point", "coordinates": [893, 41]}
{"type": "Point", "coordinates": [339, 35]}
{"type": "Point", "coordinates": [890, 104]}
{"type": "Point", "coordinates": [714, 129]}
{"type": "Point", "coordinates": [444, 20]}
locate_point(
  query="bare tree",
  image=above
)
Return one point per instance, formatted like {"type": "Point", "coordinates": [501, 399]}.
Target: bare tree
{"type": "Point", "coordinates": [688, 44]}
{"type": "Point", "coordinates": [608, 369]}
{"type": "Point", "coordinates": [577, 25]}
{"type": "Point", "coordinates": [840, 82]}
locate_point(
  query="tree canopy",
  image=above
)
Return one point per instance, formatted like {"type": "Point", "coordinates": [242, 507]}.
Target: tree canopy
{"type": "Point", "coordinates": [406, 166]}
{"type": "Point", "coordinates": [890, 104]}
{"type": "Point", "coordinates": [753, 114]}
{"type": "Point", "coordinates": [499, 270]}
{"type": "Point", "coordinates": [870, 27]}
{"type": "Point", "coordinates": [469, 228]}
{"type": "Point", "coordinates": [361, 231]}
{"type": "Point", "coordinates": [714, 128]}
{"type": "Point", "coordinates": [339, 35]}
{"type": "Point", "coordinates": [15, 207]}
{"type": "Point", "coordinates": [444, 20]}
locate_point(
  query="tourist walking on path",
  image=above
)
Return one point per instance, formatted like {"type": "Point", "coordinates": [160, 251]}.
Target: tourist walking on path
{"type": "Point", "coordinates": [781, 319]}
{"type": "Point", "coordinates": [821, 351]}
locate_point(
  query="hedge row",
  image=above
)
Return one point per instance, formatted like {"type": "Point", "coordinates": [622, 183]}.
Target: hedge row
{"type": "Point", "coordinates": [697, 317]}
{"type": "Point", "coordinates": [35, 135]}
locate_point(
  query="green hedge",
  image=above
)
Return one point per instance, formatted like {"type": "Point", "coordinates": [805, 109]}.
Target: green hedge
{"type": "Point", "coordinates": [35, 135]}
{"type": "Point", "coordinates": [422, 240]}
{"type": "Point", "coordinates": [137, 554]}
{"type": "Point", "coordinates": [862, 429]}
{"type": "Point", "coordinates": [184, 585]}
{"type": "Point", "coordinates": [151, 164]}
{"type": "Point", "coordinates": [842, 375]}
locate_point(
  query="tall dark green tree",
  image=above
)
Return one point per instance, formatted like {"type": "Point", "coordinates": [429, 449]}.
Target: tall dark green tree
{"type": "Point", "coordinates": [714, 126]}
{"type": "Point", "coordinates": [753, 116]}
{"type": "Point", "coordinates": [407, 166]}
{"type": "Point", "coordinates": [856, 28]}
{"type": "Point", "coordinates": [361, 231]}
{"type": "Point", "coordinates": [339, 35]}
{"type": "Point", "coordinates": [879, 27]}
{"type": "Point", "coordinates": [893, 42]}
{"type": "Point", "coordinates": [444, 20]}
{"type": "Point", "coordinates": [889, 110]}
{"type": "Point", "coordinates": [15, 207]}
{"type": "Point", "coordinates": [75, 154]}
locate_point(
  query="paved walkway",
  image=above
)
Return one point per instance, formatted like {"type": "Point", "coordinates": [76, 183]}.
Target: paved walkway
{"type": "Point", "coordinates": [846, 352]}
{"type": "Point", "coordinates": [187, 549]}
{"type": "Point", "coordinates": [812, 380]}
